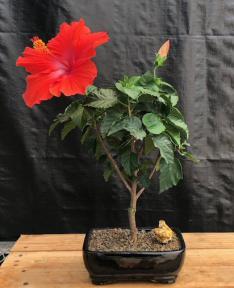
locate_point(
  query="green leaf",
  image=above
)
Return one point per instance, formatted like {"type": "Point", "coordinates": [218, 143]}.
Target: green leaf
{"type": "Point", "coordinates": [150, 92]}
{"type": "Point", "coordinates": [106, 99]}
{"type": "Point", "coordinates": [85, 135]}
{"type": "Point", "coordinates": [146, 79]}
{"type": "Point", "coordinates": [133, 92]}
{"type": "Point", "coordinates": [145, 91]}
{"type": "Point", "coordinates": [130, 81]}
{"type": "Point", "coordinates": [189, 156]}
{"type": "Point", "coordinates": [77, 115]}
{"type": "Point", "coordinates": [174, 99]}
{"type": "Point", "coordinates": [170, 174]}
{"type": "Point", "coordinates": [149, 145]}
{"type": "Point", "coordinates": [53, 126]}
{"type": "Point", "coordinates": [145, 181]}
{"type": "Point", "coordinates": [165, 86]}
{"type": "Point", "coordinates": [177, 119]}
{"type": "Point", "coordinates": [90, 89]}
{"type": "Point", "coordinates": [73, 110]}
{"type": "Point", "coordinates": [134, 126]}
{"type": "Point", "coordinates": [109, 120]}
{"type": "Point", "coordinates": [117, 126]}
{"type": "Point", "coordinates": [163, 143]}
{"type": "Point", "coordinates": [129, 162]}
{"type": "Point", "coordinates": [130, 86]}
{"type": "Point", "coordinates": [174, 134]}
{"type": "Point", "coordinates": [131, 124]}
{"type": "Point", "coordinates": [153, 123]}
{"type": "Point", "coordinates": [68, 127]}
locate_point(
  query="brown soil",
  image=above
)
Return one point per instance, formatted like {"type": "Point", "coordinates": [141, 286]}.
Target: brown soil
{"type": "Point", "coordinates": [119, 240]}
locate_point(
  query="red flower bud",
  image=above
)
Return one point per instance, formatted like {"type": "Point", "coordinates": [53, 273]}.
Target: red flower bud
{"type": "Point", "coordinates": [163, 51]}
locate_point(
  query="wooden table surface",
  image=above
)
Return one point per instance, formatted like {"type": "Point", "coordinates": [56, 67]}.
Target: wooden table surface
{"type": "Point", "coordinates": [55, 261]}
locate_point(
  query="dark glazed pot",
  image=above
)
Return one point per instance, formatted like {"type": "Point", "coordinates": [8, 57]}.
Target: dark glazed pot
{"type": "Point", "coordinates": [109, 267]}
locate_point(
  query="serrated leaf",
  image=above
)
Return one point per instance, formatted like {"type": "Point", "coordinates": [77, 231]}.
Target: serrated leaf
{"type": "Point", "coordinates": [145, 181]}
{"type": "Point", "coordinates": [85, 135]}
{"type": "Point", "coordinates": [131, 124]}
{"type": "Point", "coordinates": [145, 91]}
{"type": "Point", "coordinates": [147, 78]}
{"type": "Point", "coordinates": [130, 81]}
{"type": "Point", "coordinates": [133, 92]}
{"type": "Point", "coordinates": [77, 115]}
{"type": "Point", "coordinates": [150, 92]}
{"type": "Point", "coordinates": [174, 134]}
{"type": "Point", "coordinates": [62, 117]}
{"type": "Point", "coordinates": [53, 126]}
{"type": "Point", "coordinates": [153, 123]}
{"type": "Point", "coordinates": [190, 156]}
{"type": "Point", "coordinates": [163, 143]}
{"type": "Point", "coordinates": [109, 120]}
{"type": "Point", "coordinates": [134, 126]}
{"type": "Point", "coordinates": [106, 99]}
{"type": "Point", "coordinates": [177, 119]}
{"type": "Point", "coordinates": [174, 99]}
{"type": "Point", "coordinates": [68, 127]}
{"type": "Point", "coordinates": [76, 112]}
{"type": "Point", "coordinates": [148, 145]}
{"type": "Point", "coordinates": [129, 162]}
{"type": "Point", "coordinates": [72, 108]}
{"type": "Point", "coordinates": [91, 89]}
{"type": "Point", "coordinates": [103, 104]}
{"type": "Point", "coordinates": [170, 174]}
{"type": "Point", "coordinates": [117, 126]}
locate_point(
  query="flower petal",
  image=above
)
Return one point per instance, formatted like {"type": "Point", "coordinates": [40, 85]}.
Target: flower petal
{"type": "Point", "coordinates": [64, 66]}
{"type": "Point", "coordinates": [76, 82]}
{"type": "Point", "coordinates": [68, 34]}
{"type": "Point", "coordinates": [34, 61]}
{"type": "Point", "coordinates": [76, 39]}
{"type": "Point", "coordinates": [37, 89]}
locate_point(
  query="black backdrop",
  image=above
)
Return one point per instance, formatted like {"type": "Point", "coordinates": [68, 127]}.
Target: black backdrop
{"type": "Point", "coordinates": [49, 186]}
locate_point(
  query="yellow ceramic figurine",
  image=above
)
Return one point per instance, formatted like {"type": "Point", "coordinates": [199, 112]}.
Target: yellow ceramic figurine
{"type": "Point", "coordinates": [163, 233]}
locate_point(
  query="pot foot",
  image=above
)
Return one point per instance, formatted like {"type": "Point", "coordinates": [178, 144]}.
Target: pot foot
{"type": "Point", "coordinates": [166, 280]}
{"type": "Point", "coordinates": [101, 280]}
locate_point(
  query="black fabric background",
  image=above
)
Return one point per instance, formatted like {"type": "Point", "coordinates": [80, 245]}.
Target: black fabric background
{"type": "Point", "coordinates": [49, 186]}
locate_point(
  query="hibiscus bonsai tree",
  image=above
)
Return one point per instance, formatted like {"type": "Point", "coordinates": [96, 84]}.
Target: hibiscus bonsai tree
{"type": "Point", "coordinates": [134, 128]}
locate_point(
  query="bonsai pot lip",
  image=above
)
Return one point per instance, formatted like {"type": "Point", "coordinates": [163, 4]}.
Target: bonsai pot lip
{"type": "Point", "coordinates": [134, 253]}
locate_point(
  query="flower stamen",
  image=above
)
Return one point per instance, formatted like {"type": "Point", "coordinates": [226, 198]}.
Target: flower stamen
{"type": "Point", "coordinates": [39, 45]}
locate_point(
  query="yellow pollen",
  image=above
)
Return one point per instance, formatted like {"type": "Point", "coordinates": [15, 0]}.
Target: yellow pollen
{"type": "Point", "coordinates": [39, 45]}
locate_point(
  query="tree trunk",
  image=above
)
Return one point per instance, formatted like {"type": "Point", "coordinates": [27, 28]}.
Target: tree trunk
{"type": "Point", "coordinates": [132, 212]}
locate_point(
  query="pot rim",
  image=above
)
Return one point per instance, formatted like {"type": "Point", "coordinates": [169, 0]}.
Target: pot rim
{"type": "Point", "coordinates": [133, 253]}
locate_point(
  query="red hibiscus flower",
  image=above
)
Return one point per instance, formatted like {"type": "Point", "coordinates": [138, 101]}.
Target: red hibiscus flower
{"type": "Point", "coordinates": [64, 65]}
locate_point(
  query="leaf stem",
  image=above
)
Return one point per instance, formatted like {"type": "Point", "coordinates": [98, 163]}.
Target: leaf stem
{"type": "Point", "coordinates": [125, 105]}
{"type": "Point", "coordinates": [155, 72]}
{"type": "Point", "coordinates": [129, 109]}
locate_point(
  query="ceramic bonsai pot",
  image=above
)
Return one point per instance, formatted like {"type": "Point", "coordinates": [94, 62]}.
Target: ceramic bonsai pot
{"type": "Point", "coordinates": [109, 267]}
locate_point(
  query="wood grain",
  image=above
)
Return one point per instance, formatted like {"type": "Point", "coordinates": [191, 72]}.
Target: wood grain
{"type": "Point", "coordinates": [74, 242]}
{"type": "Point", "coordinates": [55, 261]}
{"type": "Point", "coordinates": [49, 242]}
